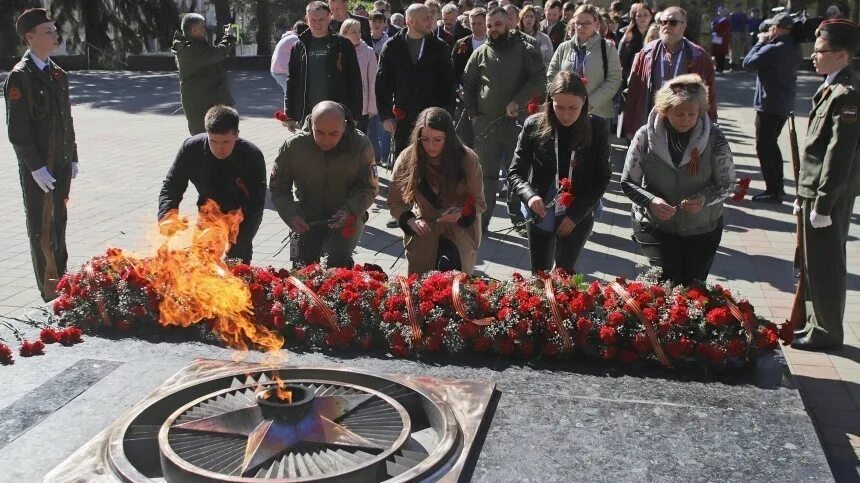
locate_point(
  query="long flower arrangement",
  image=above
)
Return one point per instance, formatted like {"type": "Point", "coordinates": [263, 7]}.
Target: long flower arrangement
{"type": "Point", "coordinates": [551, 315]}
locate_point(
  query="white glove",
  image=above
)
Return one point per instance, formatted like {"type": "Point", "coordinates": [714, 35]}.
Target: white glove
{"type": "Point", "coordinates": [797, 207]}
{"type": "Point", "coordinates": [819, 221]}
{"type": "Point", "coordinates": [75, 170]}
{"type": "Point", "coordinates": [44, 179]}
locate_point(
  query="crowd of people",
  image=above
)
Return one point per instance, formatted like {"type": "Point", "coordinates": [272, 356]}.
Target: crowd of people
{"type": "Point", "coordinates": [464, 102]}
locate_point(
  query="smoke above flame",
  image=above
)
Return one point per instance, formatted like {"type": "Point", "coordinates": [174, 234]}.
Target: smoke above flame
{"type": "Point", "coordinates": [195, 285]}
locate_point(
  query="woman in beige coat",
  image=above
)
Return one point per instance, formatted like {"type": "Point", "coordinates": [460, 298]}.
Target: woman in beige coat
{"type": "Point", "coordinates": [436, 195]}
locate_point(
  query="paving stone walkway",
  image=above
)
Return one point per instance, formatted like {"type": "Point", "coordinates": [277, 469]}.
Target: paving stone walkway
{"type": "Point", "coordinates": [128, 136]}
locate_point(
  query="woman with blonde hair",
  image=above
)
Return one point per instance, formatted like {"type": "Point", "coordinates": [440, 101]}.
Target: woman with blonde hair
{"type": "Point", "coordinates": [678, 172]}
{"type": "Point", "coordinates": [441, 180]}
{"type": "Point", "coordinates": [351, 29]}
{"type": "Point", "coordinates": [593, 58]}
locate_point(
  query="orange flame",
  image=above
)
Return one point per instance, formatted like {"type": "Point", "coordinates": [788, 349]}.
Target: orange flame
{"type": "Point", "coordinates": [281, 392]}
{"type": "Point", "coordinates": [195, 284]}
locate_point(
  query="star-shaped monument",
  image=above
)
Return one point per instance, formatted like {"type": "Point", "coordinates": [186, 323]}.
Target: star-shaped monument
{"type": "Point", "coordinates": [269, 437]}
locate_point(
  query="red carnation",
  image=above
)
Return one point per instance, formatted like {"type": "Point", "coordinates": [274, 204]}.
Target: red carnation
{"type": "Point", "coordinates": [743, 188]}
{"type": "Point", "coordinates": [651, 314]}
{"type": "Point", "coordinates": [348, 229]}
{"type": "Point", "coordinates": [6, 357]}
{"type": "Point", "coordinates": [607, 335]}
{"type": "Point", "coordinates": [564, 184]}
{"type": "Point", "coordinates": [584, 325]}
{"type": "Point", "coordinates": [719, 316]}
{"type": "Point", "coordinates": [616, 318]}
{"type": "Point", "coordinates": [522, 327]}
{"type": "Point", "coordinates": [533, 105]}
{"type": "Point", "coordinates": [678, 315]}
{"type": "Point", "coordinates": [564, 199]}
{"type": "Point", "coordinates": [468, 206]}
{"type": "Point", "coordinates": [70, 335]}
{"type": "Point", "coordinates": [49, 335]}
{"type": "Point", "coordinates": [768, 338]}
{"type": "Point", "coordinates": [786, 333]}
{"type": "Point", "coordinates": [399, 350]}
{"type": "Point", "coordinates": [281, 116]}
{"type": "Point", "coordinates": [123, 325]}
{"type": "Point", "coordinates": [34, 348]}
{"type": "Point", "coordinates": [399, 113]}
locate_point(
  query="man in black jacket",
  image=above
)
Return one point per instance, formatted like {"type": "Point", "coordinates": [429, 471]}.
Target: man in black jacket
{"type": "Point", "coordinates": [340, 13]}
{"type": "Point", "coordinates": [323, 67]}
{"type": "Point", "coordinates": [554, 27]}
{"type": "Point", "coordinates": [225, 169]}
{"type": "Point", "coordinates": [415, 72]}
{"type": "Point", "coordinates": [451, 30]}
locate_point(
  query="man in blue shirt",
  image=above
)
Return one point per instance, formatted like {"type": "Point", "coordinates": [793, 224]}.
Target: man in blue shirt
{"type": "Point", "coordinates": [775, 58]}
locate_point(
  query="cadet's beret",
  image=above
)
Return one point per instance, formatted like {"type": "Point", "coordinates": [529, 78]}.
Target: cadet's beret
{"type": "Point", "coordinates": [30, 19]}
{"type": "Point", "coordinates": [840, 33]}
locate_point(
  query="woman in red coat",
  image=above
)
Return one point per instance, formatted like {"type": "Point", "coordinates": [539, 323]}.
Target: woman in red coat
{"type": "Point", "coordinates": [721, 37]}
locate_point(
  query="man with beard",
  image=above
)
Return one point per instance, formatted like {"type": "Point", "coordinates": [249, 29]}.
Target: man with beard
{"type": "Point", "coordinates": [451, 31]}
{"type": "Point", "coordinates": [554, 27]}
{"type": "Point", "coordinates": [500, 78]}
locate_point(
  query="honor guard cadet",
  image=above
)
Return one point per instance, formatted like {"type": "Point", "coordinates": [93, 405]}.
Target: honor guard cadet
{"type": "Point", "coordinates": [39, 120]}
{"type": "Point", "coordinates": [828, 182]}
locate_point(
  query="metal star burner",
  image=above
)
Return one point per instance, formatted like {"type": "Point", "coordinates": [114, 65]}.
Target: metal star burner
{"type": "Point", "coordinates": [224, 421]}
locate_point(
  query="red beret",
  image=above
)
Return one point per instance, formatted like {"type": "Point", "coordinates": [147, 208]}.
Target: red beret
{"type": "Point", "coordinates": [840, 33]}
{"type": "Point", "coordinates": [30, 19]}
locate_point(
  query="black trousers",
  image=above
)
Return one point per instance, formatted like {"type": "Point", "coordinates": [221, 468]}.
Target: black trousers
{"type": "Point", "coordinates": [683, 259]}
{"type": "Point", "coordinates": [721, 62]}
{"type": "Point", "coordinates": [767, 130]}
{"type": "Point", "coordinates": [546, 248]}
{"type": "Point", "coordinates": [46, 225]}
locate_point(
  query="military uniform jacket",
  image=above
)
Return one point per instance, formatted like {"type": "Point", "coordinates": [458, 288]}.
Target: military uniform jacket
{"type": "Point", "coordinates": [830, 167]}
{"type": "Point", "coordinates": [39, 116]}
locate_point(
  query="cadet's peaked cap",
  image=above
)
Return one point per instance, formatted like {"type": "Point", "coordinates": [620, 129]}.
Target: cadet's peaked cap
{"type": "Point", "coordinates": [840, 33]}
{"type": "Point", "coordinates": [30, 19]}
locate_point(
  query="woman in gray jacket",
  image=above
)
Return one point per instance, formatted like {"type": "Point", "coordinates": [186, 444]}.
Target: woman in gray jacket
{"type": "Point", "coordinates": [678, 172]}
{"type": "Point", "coordinates": [593, 58]}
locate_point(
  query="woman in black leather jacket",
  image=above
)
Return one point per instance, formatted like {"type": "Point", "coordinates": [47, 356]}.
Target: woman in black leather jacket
{"type": "Point", "coordinates": [561, 141]}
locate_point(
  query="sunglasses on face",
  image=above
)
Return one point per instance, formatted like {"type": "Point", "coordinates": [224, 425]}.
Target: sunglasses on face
{"type": "Point", "coordinates": [671, 23]}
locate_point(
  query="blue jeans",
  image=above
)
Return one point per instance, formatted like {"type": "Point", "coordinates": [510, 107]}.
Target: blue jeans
{"type": "Point", "coordinates": [379, 138]}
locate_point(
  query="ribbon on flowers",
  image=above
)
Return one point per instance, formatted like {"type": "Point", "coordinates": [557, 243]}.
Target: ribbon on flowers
{"type": "Point", "coordinates": [566, 343]}
{"type": "Point", "coordinates": [631, 304]}
{"type": "Point", "coordinates": [736, 311]}
{"type": "Point", "coordinates": [460, 306]}
{"type": "Point", "coordinates": [327, 313]}
{"type": "Point", "coordinates": [410, 310]}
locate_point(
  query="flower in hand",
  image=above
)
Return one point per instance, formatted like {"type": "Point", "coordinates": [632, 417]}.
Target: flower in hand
{"type": "Point", "coordinates": [451, 215]}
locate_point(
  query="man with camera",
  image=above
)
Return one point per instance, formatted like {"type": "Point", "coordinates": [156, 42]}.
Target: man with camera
{"type": "Point", "coordinates": [202, 76]}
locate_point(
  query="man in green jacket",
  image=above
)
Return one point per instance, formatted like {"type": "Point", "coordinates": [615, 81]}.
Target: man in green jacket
{"type": "Point", "coordinates": [39, 119]}
{"type": "Point", "coordinates": [202, 76]}
{"type": "Point", "coordinates": [828, 182]}
{"type": "Point", "coordinates": [500, 78]}
{"type": "Point", "coordinates": [333, 168]}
